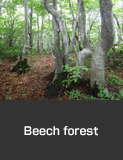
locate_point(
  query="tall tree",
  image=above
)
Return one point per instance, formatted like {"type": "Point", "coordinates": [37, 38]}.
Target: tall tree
{"type": "Point", "coordinates": [41, 36]}
{"type": "Point", "coordinates": [105, 42]}
{"type": "Point", "coordinates": [86, 52]}
{"type": "Point", "coordinates": [59, 62]}
{"type": "Point", "coordinates": [22, 60]}
{"type": "Point", "coordinates": [31, 34]}
{"type": "Point", "coordinates": [38, 33]}
{"type": "Point", "coordinates": [83, 25]}
{"type": "Point", "coordinates": [62, 27]}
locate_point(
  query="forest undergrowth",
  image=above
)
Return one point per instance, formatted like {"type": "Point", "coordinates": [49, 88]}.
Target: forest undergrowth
{"type": "Point", "coordinates": [33, 84]}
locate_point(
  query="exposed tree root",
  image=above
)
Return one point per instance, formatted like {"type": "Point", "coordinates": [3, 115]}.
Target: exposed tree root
{"type": "Point", "coordinates": [55, 86]}
{"type": "Point", "coordinates": [21, 66]}
{"type": "Point", "coordinates": [113, 86]}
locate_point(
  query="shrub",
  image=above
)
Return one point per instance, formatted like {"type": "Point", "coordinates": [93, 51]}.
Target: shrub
{"type": "Point", "coordinates": [9, 53]}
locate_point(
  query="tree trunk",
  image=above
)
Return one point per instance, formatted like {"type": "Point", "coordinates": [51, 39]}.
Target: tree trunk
{"type": "Point", "coordinates": [22, 60]}
{"type": "Point", "coordinates": [105, 42]}
{"type": "Point", "coordinates": [63, 30]}
{"type": "Point", "coordinates": [86, 52]}
{"type": "Point", "coordinates": [38, 34]}
{"type": "Point", "coordinates": [83, 25]}
{"type": "Point", "coordinates": [31, 36]}
{"type": "Point", "coordinates": [83, 55]}
{"type": "Point", "coordinates": [41, 38]}
{"type": "Point", "coordinates": [58, 55]}
{"type": "Point", "coordinates": [119, 37]}
{"type": "Point", "coordinates": [47, 37]}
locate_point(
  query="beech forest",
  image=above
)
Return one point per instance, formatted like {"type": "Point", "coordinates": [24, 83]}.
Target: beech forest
{"type": "Point", "coordinates": [61, 50]}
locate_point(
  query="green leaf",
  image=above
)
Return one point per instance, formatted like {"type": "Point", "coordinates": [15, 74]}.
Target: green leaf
{"type": "Point", "coordinates": [9, 92]}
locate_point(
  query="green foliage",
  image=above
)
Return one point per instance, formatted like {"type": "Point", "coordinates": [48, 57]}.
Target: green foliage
{"type": "Point", "coordinates": [7, 52]}
{"type": "Point", "coordinates": [85, 68]}
{"type": "Point", "coordinates": [75, 94]}
{"type": "Point", "coordinates": [83, 97]}
{"type": "Point", "coordinates": [104, 95]}
{"type": "Point", "coordinates": [121, 94]}
{"type": "Point", "coordinates": [114, 79]}
{"type": "Point", "coordinates": [74, 74]}
{"type": "Point", "coordinates": [74, 61]}
{"type": "Point", "coordinates": [120, 50]}
{"type": "Point", "coordinates": [9, 92]}
{"type": "Point", "coordinates": [20, 66]}
{"type": "Point", "coordinates": [91, 98]}
{"type": "Point", "coordinates": [12, 29]}
{"type": "Point", "coordinates": [116, 63]}
{"type": "Point", "coordinates": [32, 60]}
{"type": "Point", "coordinates": [88, 62]}
{"type": "Point", "coordinates": [21, 69]}
{"type": "Point", "coordinates": [8, 98]}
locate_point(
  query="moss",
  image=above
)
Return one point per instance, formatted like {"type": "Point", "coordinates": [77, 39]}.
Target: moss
{"type": "Point", "coordinates": [54, 89]}
{"type": "Point", "coordinates": [20, 66]}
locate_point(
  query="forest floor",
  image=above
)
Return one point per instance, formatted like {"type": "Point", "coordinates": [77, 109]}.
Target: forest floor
{"type": "Point", "coordinates": [32, 85]}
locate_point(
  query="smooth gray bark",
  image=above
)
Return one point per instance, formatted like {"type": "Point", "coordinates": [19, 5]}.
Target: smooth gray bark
{"type": "Point", "coordinates": [75, 20]}
{"type": "Point", "coordinates": [41, 38]}
{"type": "Point", "coordinates": [119, 37]}
{"type": "Point", "coordinates": [72, 14]}
{"type": "Point", "coordinates": [83, 25]}
{"type": "Point", "coordinates": [26, 44]}
{"type": "Point", "coordinates": [86, 52]}
{"type": "Point", "coordinates": [59, 63]}
{"type": "Point", "coordinates": [63, 30]}
{"type": "Point", "coordinates": [83, 55]}
{"type": "Point", "coordinates": [22, 60]}
{"type": "Point", "coordinates": [38, 34]}
{"type": "Point", "coordinates": [119, 31]}
{"type": "Point", "coordinates": [105, 42]}
{"type": "Point", "coordinates": [74, 33]}
{"type": "Point", "coordinates": [99, 27]}
{"type": "Point", "coordinates": [48, 40]}
{"type": "Point", "coordinates": [31, 34]}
